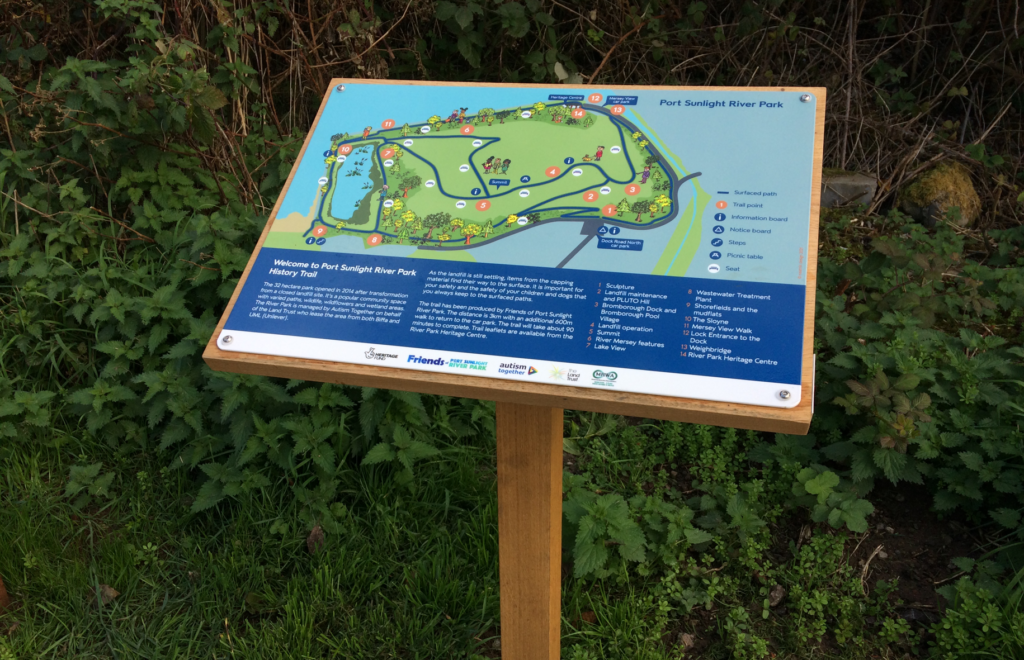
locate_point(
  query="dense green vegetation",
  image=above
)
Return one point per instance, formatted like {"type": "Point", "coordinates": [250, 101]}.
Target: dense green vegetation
{"type": "Point", "coordinates": [143, 148]}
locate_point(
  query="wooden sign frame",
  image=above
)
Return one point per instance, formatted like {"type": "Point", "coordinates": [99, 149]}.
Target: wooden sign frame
{"type": "Point", "coordinates": [529, 419]}
{"type": "Point", "coordinates": [781, 420]}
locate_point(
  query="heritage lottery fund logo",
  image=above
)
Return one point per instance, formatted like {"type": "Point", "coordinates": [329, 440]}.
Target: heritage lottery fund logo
{"type": "Point", "coordinates": [604, 378]}
{"type": "Point", "coordinates": [513, 369]}
{"type": "Point", "coordinates": [372, 354]}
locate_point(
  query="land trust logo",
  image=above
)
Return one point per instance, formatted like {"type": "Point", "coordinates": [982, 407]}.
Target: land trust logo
{"type": "Point", "coordinates": [417, 359]}
{"type": "Point", "coordinates": [570, 375]}
{"type": "Point", "coordinates": [372, 354]}
{"type": "Point", "coordinates": [604, 378]}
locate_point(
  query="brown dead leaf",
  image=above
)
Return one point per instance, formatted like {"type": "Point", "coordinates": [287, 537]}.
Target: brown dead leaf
{"type": "Point", "coordinates": [5, 600]}
{"type": "Point", "coordinates": [315, 541]}
{"type": "Point", "coordinates": [107, 593]}
{"type": "Point", "coordinates": [13, 628]}
{"type": "Point", "coordinates": [589, 617]}
{"type": "Point", "coordinates": [776, 595]}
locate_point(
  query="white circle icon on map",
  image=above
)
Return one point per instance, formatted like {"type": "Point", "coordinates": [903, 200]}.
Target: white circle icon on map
{"type": "Point", "coordinates": [424, 129]}
{"type": "Point", "coordinates": [615, 149]}
{"type": "Point", "coordinates": [388, 203]}
{"type": "Point", "coordinates": [429, 183]}
{"type": "Point", "coordinates": [526, 114]}
{"type": "Point", "coordinates": [460, 204]}
{"type": "Point", "coordinates": [577, 172]}
{"type": "Point", "coordinates": [522, 220]}
{"type": "Point", "coordinates": [389, 163]}
{"type": "Point", "coordinates": [463, 168]}
{"type": "Point", "coordinates": [322, 181]}
{"type": "Point", "coordinates": [478, 143]}
{"type": "Point", "coordinates": [341, 159]}
{"type": "Point", "coordinates": [524, 193]}
{"type": "Point", "coordinates": [408, 143]}
{"type": "Point", "coordinates": [606, 190]}
{"type": "Point", "coordinates": [714, 268]}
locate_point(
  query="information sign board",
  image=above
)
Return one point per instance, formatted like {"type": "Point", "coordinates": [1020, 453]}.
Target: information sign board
{"type": "Point", "coordinates": [647, 251]}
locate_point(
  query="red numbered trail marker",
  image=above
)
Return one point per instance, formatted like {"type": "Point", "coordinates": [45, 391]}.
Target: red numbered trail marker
{"type": "Point", "coordinates": [387, 153]}
{"type": "Point", "coordinates": [617, 109]}
{"type": "Point", "coordinates": [579, 113]}
{"type": "Point", "coordinates": [552, 171]}
{"type": "Point", "coordinates": [387, 123]}
{"type": "Point", "coordinates": [483, 205]}
{"type": "Point", "coordinates": [632, 189]}
{"type": "Point", "coordinates": [374, 239]}
{"type": "Point", "coordinates": [345, 149]}
{"type": "Point", "coordinates": [610, 210]}
{"type": "Point", "coordinates": [467, 129]}
{"type": "Point", "coordinates": [320, 231]}
{"type": "Point", "coordinates": [721, 204]}
{"type": "Point", "coordinates": [590, 196]}
{"type": "Point", "coordinates": [595, 98]}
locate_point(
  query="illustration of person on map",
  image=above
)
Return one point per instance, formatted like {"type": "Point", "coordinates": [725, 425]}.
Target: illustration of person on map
{"type": "Point", "coordinates": [462, 115]}
{"type": "Point", "coordinates": [646, 175]}
{"type": "Point", "coordinates": [454, 117]}
{"type": "Point", "coordinates": [600, 152]}
{"type": "Point", "coordinates": [487, 165]}
{"type": "Point", "coordinates": [366, 131]}
{"type": "Point", "coordinates": [383, 192]}
{"type": "Point", "coordinates": [504, 165]}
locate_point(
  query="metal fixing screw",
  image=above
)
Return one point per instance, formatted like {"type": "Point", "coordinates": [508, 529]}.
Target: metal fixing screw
{"type": "Point", "coordinates": [784, 395]}
{"type": "Point", "coordinates": [227, 339]}
{"type": "Point", "coordinates": [805, 98]}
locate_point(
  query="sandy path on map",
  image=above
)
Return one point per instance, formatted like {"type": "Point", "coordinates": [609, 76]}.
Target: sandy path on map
{"type": "Point", "coordinates": [292, 223]}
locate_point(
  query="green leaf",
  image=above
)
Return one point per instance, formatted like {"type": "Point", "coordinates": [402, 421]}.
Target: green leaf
{"type": "Point", "coordinates": [211, 98]}
{"type": "Point", "coordinates": [907, 382]}
{"type": "Point", "coordinates": [697, 536]}
{"type": "Point", "coordinates": [822, 484]}
{"type": "Point", "coordinates": [1008, 518]}
{"type": "Point", "coordinates": [380, 453]}
{"type": "Point", "coordinates": [210, 494]}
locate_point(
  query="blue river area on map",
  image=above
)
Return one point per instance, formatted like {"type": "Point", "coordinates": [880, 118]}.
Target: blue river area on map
{"type": "Point", "coordinates": [740, 330]}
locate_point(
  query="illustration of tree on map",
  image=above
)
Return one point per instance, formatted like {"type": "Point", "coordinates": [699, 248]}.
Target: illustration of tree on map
{"type": "Point", "coordinates": [538, 108]}
{"type": "Point", "coordinates": [403, 234]}
{"type": "Point", "coordinates": [407, 217]}
{"type": "Point", "coordinates": [511, 220]}
{"type": "Point", "coordinates": [663, 201]}
{"type": "Point", "coordinates": [486, 115]}
{"type": "Point", "coordinates": [408, 183]}
{"type": "Point", "coordinates": [639, 207]}
{"type": "Point", "coordinates": [488, 228]}
{"type": "Point", "coordinates": [636, 136]}
{"type": "Point", "coordinates": [442, 238]}
{"type": "Point", "coordinates": [434, 119]}
{"type": "Point", "coordinates": [502, 116]}
{"type": "Point", "coordinates": [405, 129]}
{"type": "Point", "coordinates": [622, 207]}
{"type": "Point", "coordinates": [387, 217]}
{"type": "Point", "coordinates": [643, 144]}
{"type": "Point", "coordinates": [653, 208]}
{"type": "Point", "coordinates": [588, 121]}
{"type": "Point", "coordinates": [469, 231]}
{"type": "Point", "coordinates": [455, 224]}
{"type": "Point", "coordinates": [436, 221]}
{"type": "Point", "coordinates": [398, 206]}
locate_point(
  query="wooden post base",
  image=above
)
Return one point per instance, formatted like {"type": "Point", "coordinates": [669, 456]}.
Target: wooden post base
{"type": "Point", "coordinates": [530, 530]}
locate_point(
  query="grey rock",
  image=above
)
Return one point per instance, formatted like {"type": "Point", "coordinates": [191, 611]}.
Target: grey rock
{"type": "Point", "coordinates": [847, 188]}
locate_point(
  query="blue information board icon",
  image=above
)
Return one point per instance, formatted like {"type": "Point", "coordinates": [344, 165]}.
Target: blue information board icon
{"type": "Point", "coordinates": [476, 191]}
{"type": "Point", "coordinates": [310, 240]}
{"type": "Point", "coordinates": [719, 216]}
{"type": "Point", "coordinates": [614, 230]}
{"type": "Point", "coordinates": [569, 161]}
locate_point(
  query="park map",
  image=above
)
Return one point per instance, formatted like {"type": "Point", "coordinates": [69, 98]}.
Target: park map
{"type": "Point", "coordinates": [652, 240]}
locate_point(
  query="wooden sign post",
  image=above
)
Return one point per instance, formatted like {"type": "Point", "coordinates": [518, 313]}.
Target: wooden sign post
{"type": "Point", "coordinates": [644, 251]}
